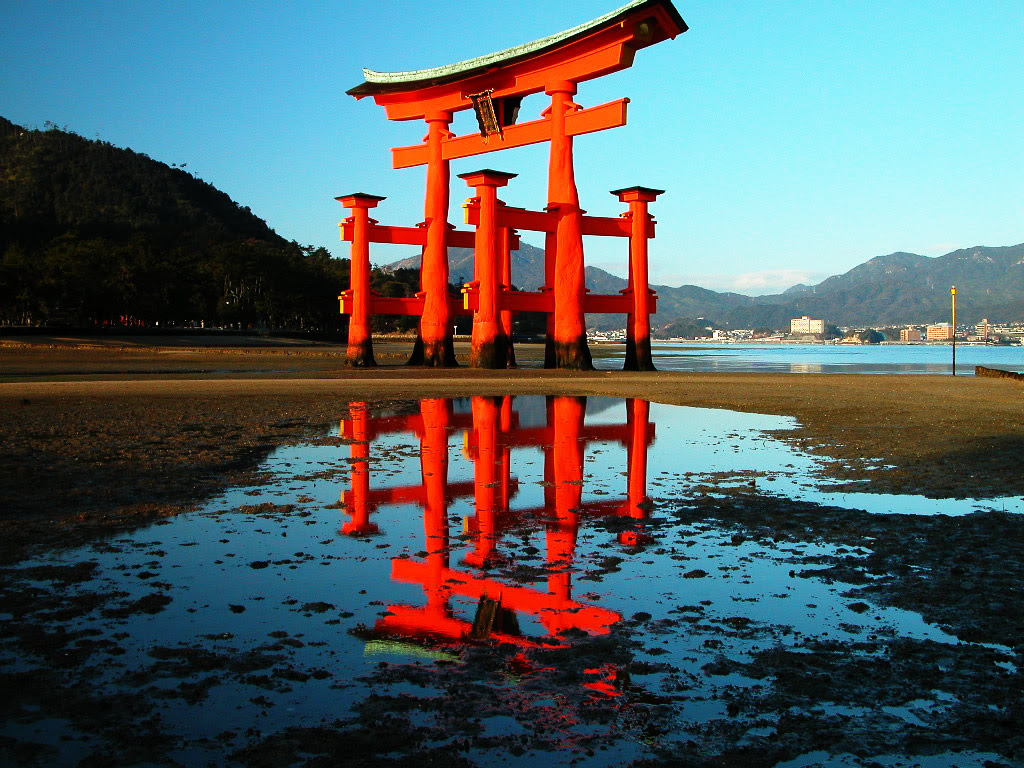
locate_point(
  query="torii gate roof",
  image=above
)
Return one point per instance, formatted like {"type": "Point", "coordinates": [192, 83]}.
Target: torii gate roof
{"type": "Point", "coordinates": [380, 83]}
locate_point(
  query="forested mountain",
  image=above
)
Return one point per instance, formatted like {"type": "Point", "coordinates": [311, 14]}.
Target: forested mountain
{"type": "Point", "coordinates": [91, 234]}
{"type": "Point", "coordinates": [909, 288]}
{"type": "Point", "coordinates": [527, 266]}
{"type": "Point", "coordinates": [897, 289]}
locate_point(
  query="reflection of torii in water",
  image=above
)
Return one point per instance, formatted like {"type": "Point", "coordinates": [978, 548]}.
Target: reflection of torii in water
{"type": "Point", "coordinates": [431, 426]}
{"type": "Point", "coordinates": [494, 432]}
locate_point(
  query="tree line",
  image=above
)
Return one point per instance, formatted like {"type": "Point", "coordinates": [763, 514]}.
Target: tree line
{"type": "Point", "coordinates": [96, 235]}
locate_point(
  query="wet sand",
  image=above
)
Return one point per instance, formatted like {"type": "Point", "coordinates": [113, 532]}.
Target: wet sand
{"type": "Point", "coordinates": [102, 438]}
{"type": "Point", "coordinates": [100, 432]}
{"type": "Point", "coordinates": [113, 425]}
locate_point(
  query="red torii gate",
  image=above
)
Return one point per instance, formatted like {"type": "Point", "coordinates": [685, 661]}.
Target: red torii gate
{"type": "Point", "coordinates": [494, 87]}
{"type": "Point", "coordinates": [492, 430]}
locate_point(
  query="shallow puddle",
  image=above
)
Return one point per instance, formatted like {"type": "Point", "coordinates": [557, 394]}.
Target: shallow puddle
{"type": "Point", "coordinates": [495, 581]}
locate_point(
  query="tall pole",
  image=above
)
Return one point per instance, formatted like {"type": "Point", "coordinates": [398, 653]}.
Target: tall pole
{"type": "Point", "coordinates": [490, 345]}
{"type": "Point", "coordinates": [435, 346]}
{"type": "Point", "coordinates": [360, 343]}
{"type": "Point", "coordinates": [952, 292]}
{"type": "Point", "coordinates": [505, 287]}
{"type": "Point", "coordinates": [570, 328]}
{"type": "Point", "coordinates": [638, 338]}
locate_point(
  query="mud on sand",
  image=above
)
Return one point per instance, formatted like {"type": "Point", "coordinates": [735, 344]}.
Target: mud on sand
{"type": "Point", "coordinates": [103, 441]}
{"type": "Point", "coordinates": [93, 435]}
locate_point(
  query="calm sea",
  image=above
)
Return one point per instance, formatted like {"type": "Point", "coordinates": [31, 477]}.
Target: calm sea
{"type": "Point", "coordinates": [820, 358]}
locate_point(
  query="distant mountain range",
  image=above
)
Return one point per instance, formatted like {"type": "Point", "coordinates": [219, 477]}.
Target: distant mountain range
{"type": "Point", "coordinates": [93, 234]}
{"type": "Point", "coordinates": [897, 289]}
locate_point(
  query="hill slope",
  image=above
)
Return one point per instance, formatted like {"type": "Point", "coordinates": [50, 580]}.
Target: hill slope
{"type": "Point", "coordinates": [906, 287]}
{"type": "Point", "coordinates": [90, 233]}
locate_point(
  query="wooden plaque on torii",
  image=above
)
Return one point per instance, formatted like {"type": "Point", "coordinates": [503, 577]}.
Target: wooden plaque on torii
{"type": "Point", "coordinates": [494, 87]}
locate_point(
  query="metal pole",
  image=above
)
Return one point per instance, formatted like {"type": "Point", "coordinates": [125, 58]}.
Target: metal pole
{"type": "Point", "coordinates": [952, 292]}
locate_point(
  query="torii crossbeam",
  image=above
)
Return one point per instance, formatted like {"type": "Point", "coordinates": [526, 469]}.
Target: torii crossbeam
{"type": "Point", "coordinates": [494, 87]}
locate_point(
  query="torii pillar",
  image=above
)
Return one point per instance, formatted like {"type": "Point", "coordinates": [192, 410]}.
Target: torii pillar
{"type": "Point", "coordinates": [435, 346]}
{"type": "Point", "coordinates": [569, 330]}
{"type": "Point", "coordinates": [360, 346]}
{"type": "Point", "coordinates": [491, 343]}
{"type": "Point", "coordinates": [638, 322]}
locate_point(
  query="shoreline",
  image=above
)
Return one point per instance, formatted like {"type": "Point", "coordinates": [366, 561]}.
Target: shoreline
{"type": "Point", "coordinates": [100, 444]}
{"type": "Point", "coordinates": [97, 439]}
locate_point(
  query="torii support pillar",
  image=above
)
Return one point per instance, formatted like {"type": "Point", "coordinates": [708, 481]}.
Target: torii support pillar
{"type": "Point", "coordinates": [435, 345]}
{"type": "Point", "coordinates": [638, 323]}
{"type": "Point", "coordinates": [566, 451]}
{"type": "Point", "coordinates": [569, 345]}
{"type": "Point", "coordinates": [491, 344]}
{"type": "Point", "coordinates": [358, 504]}
{"type": "Point", "coordinates": [505, 238]}
{"type": "Point", "coordinates": [436, 415]}
{"type": "Point", "coordinates": [360, 344]}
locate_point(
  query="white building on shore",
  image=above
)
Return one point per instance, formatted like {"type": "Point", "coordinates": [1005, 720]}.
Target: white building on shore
{"type": "Point", "coordinates": [806, 325]}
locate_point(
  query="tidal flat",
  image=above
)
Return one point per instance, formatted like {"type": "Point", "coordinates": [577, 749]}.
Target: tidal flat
{"type": "Point", "coordinates": [179, 586]}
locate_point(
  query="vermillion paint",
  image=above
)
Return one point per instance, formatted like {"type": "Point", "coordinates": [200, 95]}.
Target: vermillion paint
{"type": "Point", "coordinates": [360, 346]}
{"type": "Point", "coordinates": [490, 340]}
{"type": "Point", "coordinates": [570, 330]}
{"type": "Point", "coordinates": [638, 324]}
{"type": "Point", "coordinates": [555, 65]}
{"type": "Point", "coordinates": [435, 324]}
{"type": "Point", "coordinates": [491, 432]}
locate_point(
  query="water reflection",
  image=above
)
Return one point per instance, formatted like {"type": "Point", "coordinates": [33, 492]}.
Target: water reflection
{"type": "Point", "coordinates": [821, 358]}
{"type": "Point", "coordinates": [495, 581]}
{"type": "Point", "coordinates": [492, 432]}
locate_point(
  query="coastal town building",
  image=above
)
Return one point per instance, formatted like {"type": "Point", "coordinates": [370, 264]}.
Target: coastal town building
{"type": "Point", "coordinates": [806, 325]}
{"type": "Point", "coordinates": [910, 334]}
{"type": "Point", "coordinates": [940, 332]}
{"type": "Point", "coordinates": [1013, 332]}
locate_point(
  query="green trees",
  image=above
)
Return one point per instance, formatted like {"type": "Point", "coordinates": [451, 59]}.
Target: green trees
{"type": "Point", "coordinates": [871, 336]}
{"type": "Point", "coordinates": [685, 328]}
{"type": "Point", "coordinates": [397, 283]}
{"type": "Point", "coordinates": [91, 234]}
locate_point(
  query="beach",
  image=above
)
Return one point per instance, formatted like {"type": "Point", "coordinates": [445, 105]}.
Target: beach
{"type": "Point", "coordinates": [95, 435]}
{"type": "Point", "coordinates": [98, 439]}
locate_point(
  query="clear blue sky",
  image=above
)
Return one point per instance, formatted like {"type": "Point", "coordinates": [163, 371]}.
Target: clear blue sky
{"type": "Point", "coordinates": [795, 138]}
